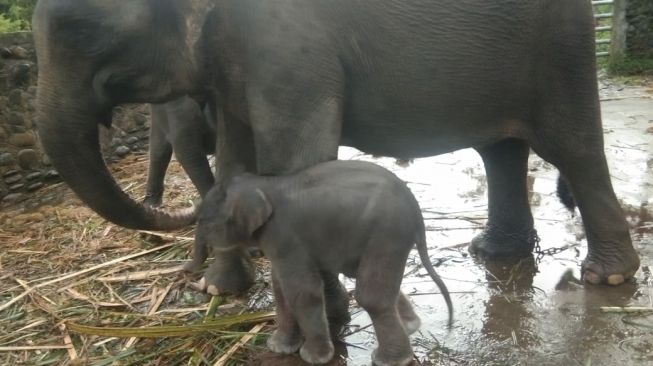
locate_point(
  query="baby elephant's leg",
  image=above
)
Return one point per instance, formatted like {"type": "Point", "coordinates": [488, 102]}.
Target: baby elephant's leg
{"type": "Point", "coordinates": [337, 303]}
{"type": "Point", "coordinates": [286, 338]}
{"type": "Point", "coordinates": [408, 317]}
{"type": "Point", "coordinates": [377, 289]}
{"type": "Point", "coordinates": [304, 291]}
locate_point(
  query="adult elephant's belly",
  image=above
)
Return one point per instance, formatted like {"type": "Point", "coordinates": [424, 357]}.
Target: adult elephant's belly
{"type": "Point", "coordinates": [414, 123]}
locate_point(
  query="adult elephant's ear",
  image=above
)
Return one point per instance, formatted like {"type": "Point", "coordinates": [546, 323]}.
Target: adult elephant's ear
{"type": "Point", "coordinates": [246, 214]}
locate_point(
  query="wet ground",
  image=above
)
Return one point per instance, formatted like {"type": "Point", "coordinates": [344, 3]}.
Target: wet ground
{"type": "Point", "coordinates": [531, 312]}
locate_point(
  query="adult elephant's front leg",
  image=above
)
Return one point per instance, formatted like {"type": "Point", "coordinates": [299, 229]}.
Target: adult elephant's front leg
{"type": "Point", "coordinates": [509, 230]}
{"type": "Point", "coordinates": [229, 271]}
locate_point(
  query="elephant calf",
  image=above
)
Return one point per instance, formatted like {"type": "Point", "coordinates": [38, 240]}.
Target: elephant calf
{"type": "Point", "coordinates": [186, 128]}
{"type": "Point", "coordinates": [348, 217]}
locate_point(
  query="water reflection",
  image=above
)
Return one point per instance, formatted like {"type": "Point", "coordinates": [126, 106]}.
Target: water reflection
{"type": "Point", "coordinates": [510, 288]}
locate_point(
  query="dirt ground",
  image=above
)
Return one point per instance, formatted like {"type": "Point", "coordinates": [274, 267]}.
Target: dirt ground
{"type": "Point", "coordinates": [529, 312]}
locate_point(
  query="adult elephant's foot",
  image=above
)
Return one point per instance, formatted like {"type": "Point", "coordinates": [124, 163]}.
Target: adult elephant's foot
{"type": "Point", "coordinates": [612, 267]}
{"type": "Point", "coordinates": [495, 242]}
{"type": "Point", "coordinates": [153, 199]}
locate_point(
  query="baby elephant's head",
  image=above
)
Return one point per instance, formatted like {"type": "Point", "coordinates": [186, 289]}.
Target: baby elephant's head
{"type": "Point", "coordinates": [227, 226]}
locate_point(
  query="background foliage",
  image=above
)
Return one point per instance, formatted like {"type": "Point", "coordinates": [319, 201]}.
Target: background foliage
{"type": "Point", "coordinates": [16, 15]}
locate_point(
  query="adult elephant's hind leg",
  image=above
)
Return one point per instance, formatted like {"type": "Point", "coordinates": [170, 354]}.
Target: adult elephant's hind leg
{"type": "Point", "coordinates": [569, 135]}
{"type": "Point", "coordinates": [509, 231]}
{"type": "Point", "coordinates": [611, 257]}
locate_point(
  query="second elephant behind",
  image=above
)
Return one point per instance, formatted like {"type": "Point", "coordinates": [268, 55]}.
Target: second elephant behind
{"type": "Point", "coordinates": [186, 127]}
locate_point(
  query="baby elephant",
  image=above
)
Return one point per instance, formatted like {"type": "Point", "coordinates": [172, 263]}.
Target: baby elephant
{"type": "Point", "coordinates": [349, 217]}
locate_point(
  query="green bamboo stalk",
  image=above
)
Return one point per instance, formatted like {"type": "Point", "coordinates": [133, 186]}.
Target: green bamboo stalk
{"type": "Point", "coordinates": [218, 324]}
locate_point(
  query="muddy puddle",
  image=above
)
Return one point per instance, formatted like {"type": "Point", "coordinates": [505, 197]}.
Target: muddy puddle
{"type": "Point", "coordinates": [533, 311]}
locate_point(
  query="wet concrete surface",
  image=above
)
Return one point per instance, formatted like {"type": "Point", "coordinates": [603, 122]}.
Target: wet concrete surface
{"type": "Point", "coordinates": [533, 311]}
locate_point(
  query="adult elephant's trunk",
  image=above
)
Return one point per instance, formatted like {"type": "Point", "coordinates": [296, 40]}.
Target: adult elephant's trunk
{"type": "Point", "coordinates": [70, 139]}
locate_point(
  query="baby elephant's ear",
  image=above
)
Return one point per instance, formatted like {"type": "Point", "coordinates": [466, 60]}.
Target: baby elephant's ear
{"type": "Point", "coordinates": [249, 212]}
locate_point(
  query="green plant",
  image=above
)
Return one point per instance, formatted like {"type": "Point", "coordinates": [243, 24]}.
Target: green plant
{"type": "Point", "coordinates": [631, 65]}
{"type": "Point", "coordinates": [16, 15]}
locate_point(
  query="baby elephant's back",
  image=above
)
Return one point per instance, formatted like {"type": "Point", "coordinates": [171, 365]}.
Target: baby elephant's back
{"type": "Point", "coordinates": [341, 195]}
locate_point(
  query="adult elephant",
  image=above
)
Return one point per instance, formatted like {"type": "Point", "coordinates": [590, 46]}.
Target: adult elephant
{"type": "Point", "coordinates": [294, 79]}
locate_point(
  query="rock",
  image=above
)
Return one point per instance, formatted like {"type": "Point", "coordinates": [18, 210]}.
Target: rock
{"type": "Point", "coordinates": [14, 197]}
{"type": "Point", "coordinates": [15, 118]}
{"type": "Point", "coordinates": [32, 90]}
{"type": "Point", "coordinates": [15, 98]}
{"type": "Point", "coordinates": [140, 119]}
{"type": "Point", "coordinates": [46, 160]}
{"type": "Point", "coordinates": [20, 74]}
{"type": "Point", "coordinates": [122, 150]}
{"type": "Point", "coordinates": [33, 176]}
{"type": "Point", "coordinates": [649, 130]}
{"type": "Point", "coordinates": [3, 134]}
{"type": "Point", "coordinates": [35, 186]}
{"type": "Point", "coordinates": [115, 142]}
{"type": "Point", "coordinates": [132, 140]}
{"type": "Point", "coordinates": [13, 179]}
{"type": "Point", "coordinates": [25, 139]}
{"type": "Point", "coordinates": [16, 187]}
{"type": "Point", "coordinates": [18, 52]}
{"type": "Point", "coordinates": [31, 104]}
{"type": "Point", "coordinates": [10, 173]}
{"type": "Point", "coordinates": [6, 159]}
{"type": "Point", "coordinates": [5, 52]}
{"type": "Point", "coordinates": [27, 159]}
{"type": "Point", "coordinates": [51, 174]}
{"type": "Point", "coordinates": [17, 129]}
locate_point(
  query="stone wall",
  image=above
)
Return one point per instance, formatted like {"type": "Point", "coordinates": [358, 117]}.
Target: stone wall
{"type": "Point", "coordinates": [639, 35]}
{"type": "Point", "coordinates": [24, 168]}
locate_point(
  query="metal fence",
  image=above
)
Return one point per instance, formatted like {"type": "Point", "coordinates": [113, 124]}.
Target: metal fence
{"type": "Point", "coordinates": [603, 20]}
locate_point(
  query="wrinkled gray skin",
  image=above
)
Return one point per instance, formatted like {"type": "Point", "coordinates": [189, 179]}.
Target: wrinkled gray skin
{"type": "Point", "coordinates": [348, 217]}
{"type": "Point", "coordinates": [188, 129]}
{"type": "Point", "coordinates": [293, 79]}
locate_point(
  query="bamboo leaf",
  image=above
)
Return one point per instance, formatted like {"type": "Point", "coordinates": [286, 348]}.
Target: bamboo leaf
{"type": "Point", "coordinates": [218, 324]}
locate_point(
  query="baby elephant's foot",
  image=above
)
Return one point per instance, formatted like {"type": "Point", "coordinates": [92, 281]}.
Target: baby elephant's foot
{"type": "Point", "coordinates": [280, 342]}
{"type": "Point", "coordinates": [411, 324]}
{"type": "Point", "coordinates": [317, 353]}
{"type": "Point", "coordinates": [391, 360]}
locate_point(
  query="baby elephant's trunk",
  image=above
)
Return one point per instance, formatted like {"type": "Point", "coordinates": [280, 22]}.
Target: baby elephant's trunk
{"type": "Point", "coordinates": [420, 240]}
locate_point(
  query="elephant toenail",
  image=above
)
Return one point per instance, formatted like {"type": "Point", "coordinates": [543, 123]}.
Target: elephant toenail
{"type": "Point", "coordinates": [592, 278]}
{"type": "Point", "coordinates": [212, 290]}
{"type": "Point", "coordinates": [202, 284]}
{"type": "Point", "coordinates": [616, 279]}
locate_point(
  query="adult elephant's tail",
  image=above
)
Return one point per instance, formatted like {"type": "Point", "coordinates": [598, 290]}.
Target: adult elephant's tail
{"type": "Point", "coordinates": [564, 194]}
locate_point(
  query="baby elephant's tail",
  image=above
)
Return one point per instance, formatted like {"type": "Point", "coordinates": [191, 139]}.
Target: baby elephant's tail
{"type": "Point", "coordinates": [420, 241]}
